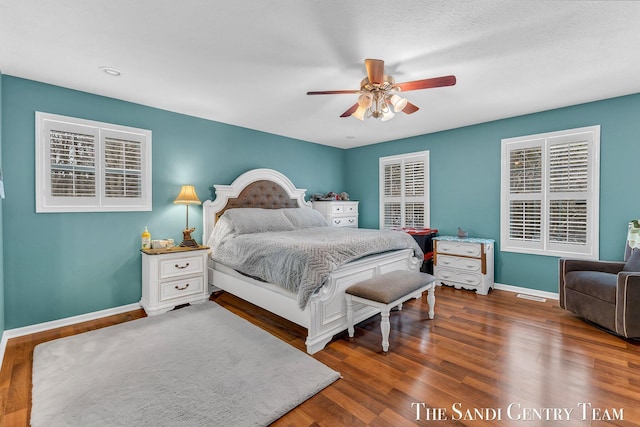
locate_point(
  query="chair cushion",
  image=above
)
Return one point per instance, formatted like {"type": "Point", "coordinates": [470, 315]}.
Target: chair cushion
{"type": "Point", "coordinates": [633, 262]}
{"type": "Point", "coordinates": [593, 283]}
{"type": "Point", "coordinates": [388, 287]}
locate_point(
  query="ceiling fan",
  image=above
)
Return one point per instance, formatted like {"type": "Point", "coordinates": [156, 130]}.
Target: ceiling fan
{"type": "Point", "coordinates": [378, 93]}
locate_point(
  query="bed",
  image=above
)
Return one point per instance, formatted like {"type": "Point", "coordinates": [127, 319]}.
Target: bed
{"type": "Point", "coordinates": [321, 310]}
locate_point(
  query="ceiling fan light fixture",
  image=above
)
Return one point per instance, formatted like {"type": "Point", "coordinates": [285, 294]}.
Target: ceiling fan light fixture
{"type": "Point", "coordinates": [387, 115]}
{"type": "Point", "coordinates": [359, 113]}
{"type": "Point", "coordinates": [398, 103]}
{"type": "Point", "coordinates": [365, 100]}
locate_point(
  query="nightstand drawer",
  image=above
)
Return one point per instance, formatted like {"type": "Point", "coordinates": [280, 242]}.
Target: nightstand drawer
{"type": "Point", "coordinates": [345, 221]}
{"type": "Point", "coordinates": [180, 288]}
{"type": "Point", "coordinates": [180, 266]}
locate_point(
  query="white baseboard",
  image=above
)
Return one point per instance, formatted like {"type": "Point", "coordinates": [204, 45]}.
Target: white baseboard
{"type": "Point", "coordinates": [526, 291]}
{"type": "Point", "coordinates": [40, 327]}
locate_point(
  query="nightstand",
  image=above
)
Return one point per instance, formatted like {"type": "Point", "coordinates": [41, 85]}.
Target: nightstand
{"type": "Point", "coordinates": [172, 277]}
{"type": "Point", "coordinates": [464, 262]}
{"type": "Point", "coordinates": [338, 213]}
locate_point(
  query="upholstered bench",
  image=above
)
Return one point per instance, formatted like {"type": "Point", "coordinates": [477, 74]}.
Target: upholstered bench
{"type": "Point", "coordinates": [387, 291]}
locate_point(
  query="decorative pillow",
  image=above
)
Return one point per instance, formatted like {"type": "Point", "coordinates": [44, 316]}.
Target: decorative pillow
{"type": "Point", "coordinates": [633, 262]}
{"type": "Point", "coordinates": [258, 220]}
{"type": "Point", "coordinates": [305, 217]}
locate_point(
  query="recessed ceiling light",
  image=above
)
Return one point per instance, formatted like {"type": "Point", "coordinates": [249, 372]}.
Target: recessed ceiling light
{"type": "Point", "coordinates": [111, 71]}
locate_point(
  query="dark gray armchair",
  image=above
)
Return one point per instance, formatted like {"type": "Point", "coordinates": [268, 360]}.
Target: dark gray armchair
{"type": "Point", "coordinates": [606, 293]}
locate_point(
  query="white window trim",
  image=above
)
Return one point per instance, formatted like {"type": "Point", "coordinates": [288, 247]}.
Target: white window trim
{"type": "Point", "coordinates": [590, 250]}
{"type": "Point", "coordinates": [45, 203]}
{"type": "Point", "coordinates": [401, 159]}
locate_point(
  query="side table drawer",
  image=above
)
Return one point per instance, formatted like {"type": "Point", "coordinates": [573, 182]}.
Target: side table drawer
{"type": "Point", "coordinates": [457, 248]}
{"type": "Point", "coordinates": [345, 221]}
{"type": "Point", "coordinates": [180, 288]}
{"type": "Point", "coordinates": [180, 266]}
{"type": "Point", "coordinates": [462, 263]}
{"type": "Point", "coordinates": [462, 277]}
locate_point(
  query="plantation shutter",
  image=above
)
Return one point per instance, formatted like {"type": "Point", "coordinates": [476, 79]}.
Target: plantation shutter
{"type": "Point", "coordinates": [568, 187]}
{"type": "Point", "coordinates": [414, 205]}
{"type": "Point", "coordinates": [549, 206]}
{"type": "Point", "coordinates": [72, 163]}
{"type": "Point", "coordinates": [123, 168]}
{"type": "Point", "coordinates": [525, 193]}
{"type": "Point", "coordinates": [392, 199]}
{"type": "Point", "coordinates": [404, 191]}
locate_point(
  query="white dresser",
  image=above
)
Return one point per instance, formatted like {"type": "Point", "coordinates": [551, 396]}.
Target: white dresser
{"type": "Point", "coordinates": [465, 263]}
{"type": "Point", "coordinates": [338, 213]}
{"type": "Point", "coordinates": [172, 277]}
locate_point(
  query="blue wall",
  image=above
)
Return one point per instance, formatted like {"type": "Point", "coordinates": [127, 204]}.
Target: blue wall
{"type": "Point", "coordinates": [61, 265]}
{"type": "Point", "coordinates": [465, 180]}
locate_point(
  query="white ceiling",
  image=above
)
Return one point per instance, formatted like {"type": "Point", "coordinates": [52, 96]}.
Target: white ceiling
{"type": "Point", "coordinates": [250, 63]}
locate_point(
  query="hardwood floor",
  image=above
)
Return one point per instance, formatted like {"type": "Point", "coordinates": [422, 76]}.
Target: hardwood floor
{"type": "Point", "coordinates": [483, 361]}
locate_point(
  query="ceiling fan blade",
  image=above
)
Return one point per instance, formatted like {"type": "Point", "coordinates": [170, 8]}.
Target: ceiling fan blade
{"type": "Point", "coordinates": [350, 111]}
{"type": "Point", "coordinates": [375, 70]}
{"type": "Point", "coordinates": [332, 92]}
{"type": "Point", "coordinates": [410, 108]}
{"type": "Point", "coordinates": [428, 83]}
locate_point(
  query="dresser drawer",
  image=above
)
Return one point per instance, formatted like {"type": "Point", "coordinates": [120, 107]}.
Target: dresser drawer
{"type": "Point", "coordinates": [345, 221]}
{"type": "Point", "coordinates": [180, 266]}
{"type": "Point", "coordinates": [463, 277]}
{"type": "Point", "coordinates": [460, 263]}
{"type": "Point", "coordinates": [459, 248]}
{"type": "Point", "coordinates": [181, 288]}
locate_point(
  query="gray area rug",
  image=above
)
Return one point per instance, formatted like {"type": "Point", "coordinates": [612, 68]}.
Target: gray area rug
{"type": "Point", "coordinates": [196, 366]}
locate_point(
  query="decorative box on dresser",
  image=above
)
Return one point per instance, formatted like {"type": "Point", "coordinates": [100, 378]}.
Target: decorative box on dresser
{"type": "Point", "coordinates": [465, 263]}
{"type": "Point", "coordinates": [338, 213]}
{"type": "Point", "coordinates": [172, 277]}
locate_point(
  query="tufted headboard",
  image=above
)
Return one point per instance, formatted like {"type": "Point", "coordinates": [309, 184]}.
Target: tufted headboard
{"type": "Point", "coordinates": [257, 188]}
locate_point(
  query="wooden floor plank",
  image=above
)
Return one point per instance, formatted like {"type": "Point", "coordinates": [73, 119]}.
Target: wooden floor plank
{"type": "Point", "coordinates": [479, 352]}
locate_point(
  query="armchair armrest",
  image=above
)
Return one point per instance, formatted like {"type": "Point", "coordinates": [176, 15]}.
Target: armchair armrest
{"type": "Point", "coordinates": [628, 304]}
{"type": "Point", "coordinates": [568, 264]}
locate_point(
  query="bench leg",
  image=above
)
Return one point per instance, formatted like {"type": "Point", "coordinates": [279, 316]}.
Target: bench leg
{"type": "Point", "coordinates": [431, 300]}
{"type": "Point", "coordinates": [350, 315]}
{"type": "Point", "coordinates": [385, 326]}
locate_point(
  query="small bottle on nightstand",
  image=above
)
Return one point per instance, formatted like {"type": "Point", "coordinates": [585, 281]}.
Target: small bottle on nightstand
{"type": "Point", "coordinates": [146, 239]}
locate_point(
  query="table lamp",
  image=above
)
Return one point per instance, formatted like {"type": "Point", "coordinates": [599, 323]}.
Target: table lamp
{"type": "Point", "coordinates": [188, 197]}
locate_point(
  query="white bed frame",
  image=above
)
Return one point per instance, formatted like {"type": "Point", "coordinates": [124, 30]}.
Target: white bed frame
{"type": "Point", "coordinates": [325, 315]}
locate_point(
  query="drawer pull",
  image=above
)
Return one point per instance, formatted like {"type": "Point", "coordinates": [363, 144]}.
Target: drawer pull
{"type": "Point", "coordinates": [182, 288]}
{"type": "Point", "coordinates": [182, 266]}
{"type": "Point", "coordinates": [337, 221]}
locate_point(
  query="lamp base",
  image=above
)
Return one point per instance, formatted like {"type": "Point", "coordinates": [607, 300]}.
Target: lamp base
{"type": "Point", "coordinates": [189, 244]}
{"type": "Point", "coordinates": [187, 241]}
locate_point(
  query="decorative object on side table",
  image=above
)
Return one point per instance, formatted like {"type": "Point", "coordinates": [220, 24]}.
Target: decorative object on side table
{"type": "Point", "coordinates": [188, 197]}
{"type": "Point", "coordinates": [462, 233]}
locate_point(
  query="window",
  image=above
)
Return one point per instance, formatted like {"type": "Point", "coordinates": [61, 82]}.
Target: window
{"type": "Point", "coordinates": [86, 166]}
{"type": "Point", "coordinates": [404, 191]}
{"type": "Point", "coordinates": [550, 193]}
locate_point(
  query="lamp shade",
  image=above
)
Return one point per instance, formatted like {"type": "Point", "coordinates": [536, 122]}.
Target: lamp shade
{"type": "Point", "coordinates": [187, 196]}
